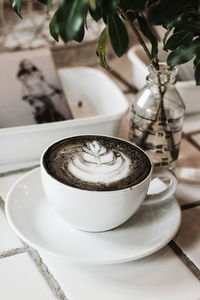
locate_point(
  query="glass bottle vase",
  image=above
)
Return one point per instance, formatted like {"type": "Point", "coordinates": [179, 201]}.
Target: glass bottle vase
{"type": "Point", "coordinates": [157, 115]}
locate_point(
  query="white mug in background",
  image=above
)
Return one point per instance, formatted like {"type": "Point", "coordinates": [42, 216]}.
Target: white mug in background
{"type": "Point", "coordinates": [96, 211]}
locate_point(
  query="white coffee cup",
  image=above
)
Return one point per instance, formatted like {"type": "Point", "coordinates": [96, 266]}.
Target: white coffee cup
{"type": "Point", "coordinates": [97, 211]}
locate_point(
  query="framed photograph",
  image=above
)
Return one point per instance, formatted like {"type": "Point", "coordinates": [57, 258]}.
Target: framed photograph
{"type": "Point", "coordinates": [97, 105]}
{"type": "Point", "coordinates": [30, 90]}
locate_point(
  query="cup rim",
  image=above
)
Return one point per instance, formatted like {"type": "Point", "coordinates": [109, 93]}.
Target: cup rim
{"type": "Point", "coordinates": [99, 191]}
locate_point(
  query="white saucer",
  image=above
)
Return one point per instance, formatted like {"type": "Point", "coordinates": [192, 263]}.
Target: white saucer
{"type": "Point", "coordinates": [36, 223]}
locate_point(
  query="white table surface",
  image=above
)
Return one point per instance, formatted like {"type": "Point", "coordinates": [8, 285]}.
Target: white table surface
{"type": "Point", "coordinates": [172, 273]}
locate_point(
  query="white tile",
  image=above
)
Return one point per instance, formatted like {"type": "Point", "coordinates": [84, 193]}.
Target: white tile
{"type": "Point", "coordinates": [7, 181]}
{"type": "Point", "coordinates": [8, 239]}
{"type": "Point", "coordinates": [188, 238]}
{"type": "Point", "coordinates": [160, 276]}
{"type": "Point", "coordinates": [20, 279]}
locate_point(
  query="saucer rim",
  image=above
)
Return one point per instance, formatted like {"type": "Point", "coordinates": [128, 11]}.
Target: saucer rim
{"type": "Point", "coordinates": [82, 260]}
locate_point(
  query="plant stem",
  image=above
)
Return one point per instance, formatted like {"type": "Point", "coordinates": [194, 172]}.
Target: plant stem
{"type": "Point", "coordinates": [140, 39]}
{"type": "Point", "coordinates": [170, 140]}
{"type": "Point", "coordinates": [163, 119]}
{"type": "Point", "coordinates": [125, 16]}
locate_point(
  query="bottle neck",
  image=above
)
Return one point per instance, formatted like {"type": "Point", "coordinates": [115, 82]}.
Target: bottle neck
{"type": "Point", "coordinates": [164, 76]}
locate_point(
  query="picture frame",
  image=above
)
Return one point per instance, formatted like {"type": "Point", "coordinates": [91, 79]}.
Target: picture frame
{"type": "Point", "coordinates": [31, 92]}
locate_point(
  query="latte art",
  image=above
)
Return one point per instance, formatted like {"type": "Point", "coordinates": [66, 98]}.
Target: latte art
{"type": "Point", "coordinates": [95, 163]}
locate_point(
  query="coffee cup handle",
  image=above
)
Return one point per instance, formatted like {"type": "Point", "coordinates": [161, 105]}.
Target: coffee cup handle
{"type": "Point", "coordinates": [168, 192]}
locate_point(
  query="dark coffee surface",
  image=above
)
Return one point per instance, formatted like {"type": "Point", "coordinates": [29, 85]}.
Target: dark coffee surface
{"type": "Point", "coordinates": [96, 163]}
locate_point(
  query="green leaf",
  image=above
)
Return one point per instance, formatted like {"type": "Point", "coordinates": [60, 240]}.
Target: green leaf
{"type": "Point", "coordinates": [96, 14]}
{"type": "Point", "coordinates": [183, 54]}
{"type": "Point", "coordinates": [135, 5]}
{"type": "Point", "coordinates": [145, 28]}
{"type": "Point", "coordinates": [70, 19]}
{"type": "Point", "coordinates": [80, 34]}
{"type": "Point", "coordinates": [197, 72]}
{"type": "Point", "coordinates": [151, 2]}
{"type": "Point", "coordinates": [17, 5]}
{"type": "Point", "coordinates": [193, 27]}
{"type": "Point", "coordinates": [178, 38]}
{"type": "Point", "coordinates": [187, 21]}
{"type": "Point", "coordinates": [92, 4]}
{"type": "Point", "coordinates": [118, 35]}
{"type": "Point", "coordinates": [102, 48]}
{"type": "Point", "coordinates": [166, 36]}
{"type": "Point", "coordinates": [53, 27]}
{"type": "Point", "coordinates": [109, 7]}
{"type": "Point", "coordinates": [165, 11]}
{"type": "Point", "coordinates": [46, 2]}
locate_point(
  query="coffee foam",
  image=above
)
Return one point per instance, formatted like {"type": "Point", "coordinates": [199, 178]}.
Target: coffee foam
{"type": "Point", "coordinates": [96, 163]}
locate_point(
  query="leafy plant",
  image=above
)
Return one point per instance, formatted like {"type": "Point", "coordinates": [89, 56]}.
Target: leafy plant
{"type": "Point", "coordinates": [180, 18]}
